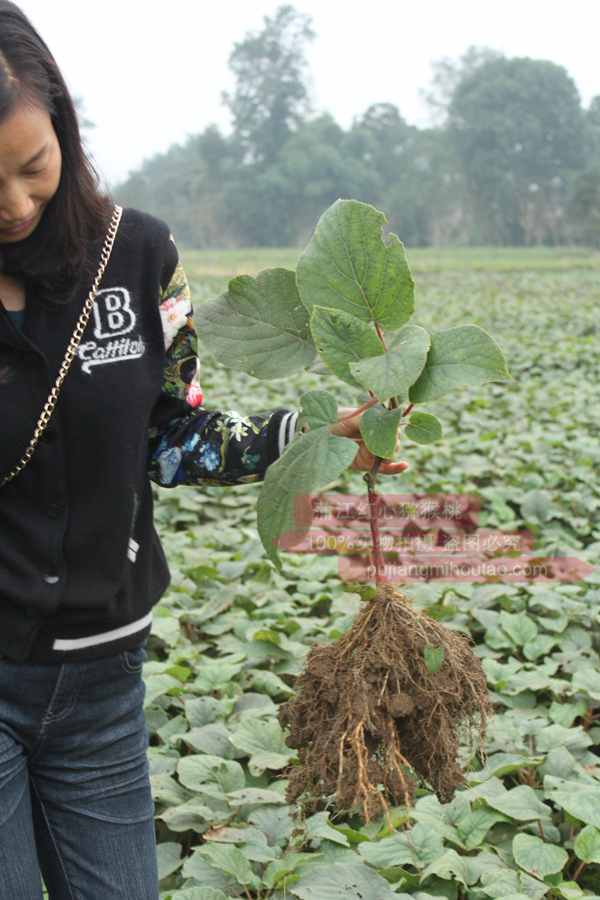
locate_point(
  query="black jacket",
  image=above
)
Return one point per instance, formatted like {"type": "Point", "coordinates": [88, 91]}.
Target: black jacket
{"type": "Point", "coordinates": [81, 564]}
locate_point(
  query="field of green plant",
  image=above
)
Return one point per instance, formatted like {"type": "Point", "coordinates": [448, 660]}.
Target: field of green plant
{"type": "Point", "coordinates": [231, 634]}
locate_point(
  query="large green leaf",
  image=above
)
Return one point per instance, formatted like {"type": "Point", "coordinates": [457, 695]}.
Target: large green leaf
{"type": "Point", "coordinates": [501, 883]}
{"type": "Point", "coordinates": [318, 828]}
{"type": "Point", "coordinates": [537, 856]}
{"type": "Point", "coordinates": [461, 356]}
{"type": "Point", "coordinates": [392, 373]}
{"type": "Point", "coordinates": [379, 429]}
{"type": "Point", "coordinates": [473, 826]}
{"type": "Point", "coordinates": [168, 857]}
{"type": "Point", "coordinates": [423, 428]}
{"type": "Point", "coordinates": [588, 680]}
{"type": "Point", "coordinates": [519, 803]}
{"type": "Point", "coordinates": [198, 867]}
{"type": "Point", "coordinates": [450, 865]}
{"type": "Point", "coordinates": [198, 893]}
{"type": "Point", "coordinates": [341, 881]}
{"type": "Point", "coordinates": [519, 627]}
{"type": "Point", "coordinates": [193, 814]}
{"type": "Point", "coordinates": [348, 266]}
{"type": "Point", "coordinates": [231, 861]}
{"type": "Point", "coordinates": [254, 797]}
{"type": "Point", "coordinates": [503, 764]}
{"type": "Point", "coordinates": [197, 770]}
{"type": "Point", "coordinates": [258, 326]}
{"type": "Point", "coordinates": [265, 744]}
{"type": "Point", "coordinates": [311, 461]}
{"type": "Point", "coordinates": [587, 844]}
{"type": "Point", "coordinates": [416, 847]}
{"type": "Point", "coordinates": [342, 339]}
{"type": "Point", "coordinates": [580, 800]}
{"type": "Point", "coordinates": [277, 871]}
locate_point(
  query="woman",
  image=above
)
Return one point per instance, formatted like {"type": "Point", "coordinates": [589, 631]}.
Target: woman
{"type": "Point", "coordinates": [81, 565]}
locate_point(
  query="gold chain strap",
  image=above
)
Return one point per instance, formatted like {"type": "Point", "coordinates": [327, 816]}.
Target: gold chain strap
{"type": "Point", "coordinates": [71, 349]}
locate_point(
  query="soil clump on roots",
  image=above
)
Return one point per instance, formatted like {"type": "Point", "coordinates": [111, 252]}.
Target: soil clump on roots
{"type": "Point", "coordinates": [368, 713]}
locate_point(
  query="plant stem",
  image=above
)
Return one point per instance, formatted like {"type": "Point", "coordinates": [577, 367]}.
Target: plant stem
{"type": "Point", "coordinates": [371, 478]}
{"type": "Point", "coordinates": [579, 870]}
{"type": "Point", "coordinates": [380, 334]}
{"type": "Point", "coordinates": [358, 410]}
{"type": "Point", "coordinates": [374, 499]}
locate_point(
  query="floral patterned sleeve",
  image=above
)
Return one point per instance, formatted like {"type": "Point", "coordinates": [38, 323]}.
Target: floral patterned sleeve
{"type": "Point", "coordinates": [189, 444]}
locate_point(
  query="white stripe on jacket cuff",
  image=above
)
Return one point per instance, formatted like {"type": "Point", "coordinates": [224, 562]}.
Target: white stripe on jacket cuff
{"type": "Point", "coordinates": [287, 429]}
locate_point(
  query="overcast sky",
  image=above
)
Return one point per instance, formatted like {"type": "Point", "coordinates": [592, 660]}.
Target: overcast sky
{"type": "Point", "coordinates": [151, 72]}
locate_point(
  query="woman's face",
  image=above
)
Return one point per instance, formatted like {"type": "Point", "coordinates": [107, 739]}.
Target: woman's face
{"type": "Point", "coordinates": [30, 166]}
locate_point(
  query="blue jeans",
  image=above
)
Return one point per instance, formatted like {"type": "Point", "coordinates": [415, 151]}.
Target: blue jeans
{"type": "Point", "coordinates": [75, 796]}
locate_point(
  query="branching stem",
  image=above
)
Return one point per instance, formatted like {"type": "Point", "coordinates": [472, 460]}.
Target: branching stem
{"type": "Point", "coordinates": [371, 477]}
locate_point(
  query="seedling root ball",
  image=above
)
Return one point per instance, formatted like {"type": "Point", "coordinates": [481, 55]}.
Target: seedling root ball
{"type": "Point", "coordinates": [369, 715]}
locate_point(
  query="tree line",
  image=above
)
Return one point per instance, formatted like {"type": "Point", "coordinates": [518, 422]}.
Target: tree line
{"type": "Point", "coordinates": [512, 156]}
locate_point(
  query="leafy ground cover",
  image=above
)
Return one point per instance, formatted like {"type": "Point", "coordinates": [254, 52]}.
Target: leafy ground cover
{"type": "Point", "coordinates": [230, 636]}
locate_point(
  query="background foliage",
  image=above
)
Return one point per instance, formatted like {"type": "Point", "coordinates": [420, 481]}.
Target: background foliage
{"type": "Point", "coordinates": [513, 157]}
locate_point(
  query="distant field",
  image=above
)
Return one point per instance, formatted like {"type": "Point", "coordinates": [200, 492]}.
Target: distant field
{"type": "Point", "coordinates": [220, 264]}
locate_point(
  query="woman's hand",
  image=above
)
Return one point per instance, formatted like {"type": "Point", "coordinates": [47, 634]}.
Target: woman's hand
{"type": "Point", "coordinates": [364, 459]}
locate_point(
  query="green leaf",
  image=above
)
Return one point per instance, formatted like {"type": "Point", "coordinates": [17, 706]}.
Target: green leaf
{"type": "Point", "coordinates": [580, 800]}
{"type": "Point", "coordinates": [519, 803]}
{"type": "Point", "coordinates": [588, 680]}
{"type": "Point", "coordinates": [465, 355]}
{"type": "Point", "coordinates": [519, 627]}
{"type": "Point", "coordinates": [199, 893]}
{"type": "Point", "coordinates": [275, 822]}
{"type": "Point", "coordinates": [265, 744]}
{"type": "Point", "coordinates": [213, 739]}
{"type": "Point", "coordinates": [254, 797]}
{"type": "Point", "coordinates": [536, 506]}
{"type": "Point", "coordinates": [348, 266]}
{"type": "Point", "coordinates": [500, 883]}
{"type": "Point", "coordinates": [269, 683]}
{"type": "Point", "coordinates": [500, 764]}
{"type": "Point", "coordinates": [571, 891]}
{"type": "Point", "coordinates": [392, 373]}
{"type": "Point", "coordinates": [231, 861]}
{"type": "Point", "coordinates": [318, 408]}
{"type": "Point", "coordinates": [198, 867]}
{"type": "Point", "coordinates": [473, 826]}
{"type": "Point", "coordinates": [318, 828]}
{"type": "Point", "coordinates": [416, 847]}
{"type": "Point", "coordinates": [195, 814]}
{"type": "Point", "coordinates": [449, 865]}
{"type": "Point", "coordinates": [341, 881]}
{"type": "Point", "coordinates": [259, 326]}
{"type": "Point", "coordinates": [310, 462]}
{"type": "Point", "coordinates": [277, 870]}
{"type": "Point", "coordinates": [434, 657]}
{"type": "Point", "coordinates": [538, 857]}
{"type": "Point", "coordinates": [196, 770]}
{"type": "Point", "coordinates": [559, 763]}
{"type": "Point", "coordinates": [423, 428]}
{"type": "Point", "coordinates": [541, 645]}
{"type": "Point", "coordinates": [587, 844]}
{"type": "Point", "coordinates": [565, 713]}
{"type": "Point", "coordinates": [168, 856]}
{"type": "Point", "coordinates": [379, 429]}
{"type": "Point", "coordinates": [343, 340]}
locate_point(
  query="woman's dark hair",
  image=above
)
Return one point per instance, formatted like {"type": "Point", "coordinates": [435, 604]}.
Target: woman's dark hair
{"type": "Point", "coordinates": [65, 243]}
